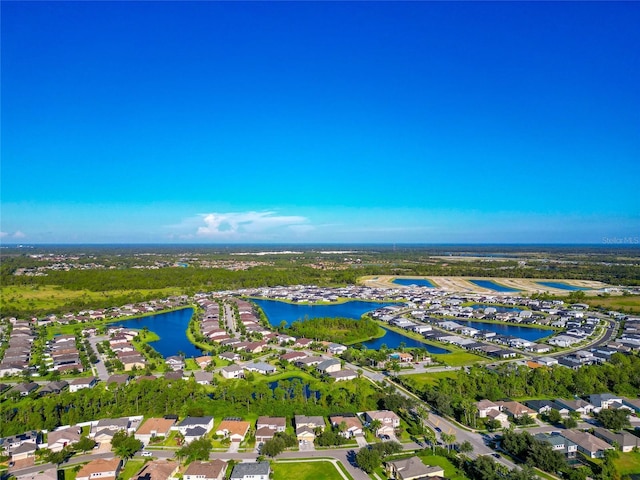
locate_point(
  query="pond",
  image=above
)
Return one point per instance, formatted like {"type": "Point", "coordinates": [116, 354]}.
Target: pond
{"type": "Point", "coordinates": [277, 311]}
{"type": "Point", "coordinates": [491, 285]}
{"type": "Point", "coordinates": [528, 333]}
{"type": "Point", "coordinates": [562, 286]}
{"type": "Point", "coordinates": [418, 282]}
{"type": "Point", "coordinates": [393, 339]}
{"type": "Point", "coordinates": [171, 327]}
{"type": "Point", "coordinates": [289, 385]}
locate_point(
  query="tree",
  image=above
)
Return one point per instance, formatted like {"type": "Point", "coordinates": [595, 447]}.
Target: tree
{"type": "Point", "coordinates": [368, 459]}
{"type": "Point", "coordinates": [272, 447]}
{"type": "Point", "coordinates": [614, 419]}
{"type": "Point", "coordinates": [84, 444]}
{"type": "Point", "coordinates": [448, 439]}
{"type": "Point", "coordinates": [125, 446]}
{"type": "Point", "coordinates": [199, 449]}
{"type": "Point", "coordinates": [465, 447]}
{"type": "Point", "coordinates": [570, 422]}
{"type": "Point", "coordinates": [554, 416]}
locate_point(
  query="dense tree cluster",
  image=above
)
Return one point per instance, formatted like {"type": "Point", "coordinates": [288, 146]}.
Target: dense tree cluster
{"type": "Point", "coordinates": [340, 330]}
{"type": "Point", "coordinates": [457, 396]}
{"type": "Point", "coordinates": [160, 397]}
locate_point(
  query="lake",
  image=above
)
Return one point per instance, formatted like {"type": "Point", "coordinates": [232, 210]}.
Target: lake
{"type": "Point", "coordinates": [393, 340]}
{"type": "Point", "coordinates": [171, 327]}
{"type": "Point", "coordinates": [418, 282]}
{"type": "Point", "coordinates": [562, 286]}
{"type": "Point", "coordinates": [528, 333]}
{"type": "Point", "coordinates": [493, 286]}
{"type": "Point", "coordinates": [277, 311]}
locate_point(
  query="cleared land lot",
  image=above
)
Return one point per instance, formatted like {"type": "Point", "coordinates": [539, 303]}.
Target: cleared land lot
{"type": "Point", "coordinates": [463, 284]}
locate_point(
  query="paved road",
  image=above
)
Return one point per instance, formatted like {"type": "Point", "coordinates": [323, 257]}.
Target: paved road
{"type": "Point", "coordinates": [100, 367]}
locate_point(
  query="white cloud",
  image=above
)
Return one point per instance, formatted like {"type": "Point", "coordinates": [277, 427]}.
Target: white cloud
{"type": "Point", "coordinates": [245, 226]}
{"type": "Point", "coordinates": [15, 235]}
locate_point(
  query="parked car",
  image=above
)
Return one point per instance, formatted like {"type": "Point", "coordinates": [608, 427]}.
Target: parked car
{"type": "Point", "coordinates": [146, 453]}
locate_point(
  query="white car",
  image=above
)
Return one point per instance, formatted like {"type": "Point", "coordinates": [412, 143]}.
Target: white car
{"type": "Point", "coordinates": [146, 453]}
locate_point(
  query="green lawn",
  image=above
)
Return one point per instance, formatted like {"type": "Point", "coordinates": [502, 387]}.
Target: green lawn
{"type": "Point", "coordinates": [624, 303]}
{"type": "Point", "coordinates": [450, 472]}
{"type": "Point", "coordinates": [628, 463]}
{"type": "Point", "coordinates": [458, 359]}
{"type": "Point", "coordinates": [130, 469]}
{"type": "Point", "coordinates": [431, 379]}
{"type": "Point", "coordinates": [305, 470]}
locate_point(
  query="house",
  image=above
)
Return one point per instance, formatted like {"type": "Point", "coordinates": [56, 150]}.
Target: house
{"type": "Point", "coordinates": [232, 371]}
{"type": "Point", "coordinates": [203, 361]}
{"type": "Point", "coordinates": [545, 406]}
{"type": "Point", "coordinates": [194, 427]}
{"type": "Point", "coordinates": [412, 468]}
{"type": "Point", "coordinates": [100, 468]}
{"type": "Point", "coordinates": [119, 379]}
{"type": "Point", "coordinates": [260, 367]}
{"type": "Point", "coordinates": [329, 366]}
{"type": "Point", "coordinates": [625, 441]}
{"type": "Point", "coordinates": [203, 378]}
{"type": "Point", "coordinates": [53, 387]}
{"type": "Point", "coordinates": [498, 416]}
{"type": "Point", "coordinates": [604, 400]}
{"type": "Point", "coordinates": [230, 356]}
{"type": "Point", "coordinates": [251, 471]}
{"type": "Point", "coordinates": [306, 426]}
{"type": "Point", "coordinates": [58, 439]}
{"type": "Point", "coordinates": [336, 348]}
{"type": "Point", "coordinates": [309, 361]}
{"type": "Point", "coordinates": [293, 356]}
{"type": "Point", "coordinates": [25, 389]}
{"type": "Point", "coordinates": [154, 427]}
{"type": "Point", "coordinates": [157, 470]}
{"type": "Point", "coordinates": [558, 443]}
{"type": "Point", "coordinates": [235, 430]}
{"type": "Point", "coordinates": [388, 419]}
{"type": "Point", "coordinates": [175, 362]}
{"type": "Point", "coordinates": [24, 451]}
{"type": "Point", "coordinates": [80, 383]}
{"type": "Point", "coordinates": [174, 375]}
{"type": "Point", "coordinates": [580, 406]}
{"type": "Point", "coordinates": [591, 446]}
{"type": "Point", "coordinates": [213, 470]}
{"type": "Point", "coordinates": [485, 406]}
{"type": "Point", "coordinates": [266, 428]}
{"type": "Point", "coordinates": [351, 423]}
{"type": "Point", "coordinates": [516, 409]}
{"type": "Point", "coordinates": [279, 424]}
{"type": "Point", "coordinates": [112, 425]}
{"type": "Point", "coordinates": [343, 375]}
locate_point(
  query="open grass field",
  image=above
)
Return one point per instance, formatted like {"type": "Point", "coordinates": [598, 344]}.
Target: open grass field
{"type": "Point", "coordinates": [431, 379]}
{"type": "Point", "coordinates": [628, 463]}
{"type": "Point", "coordinates": [622, 303]}
{"type": "Point", "coordinates": [305, 470]}
{"type": "Point", "coordinates": [131, 468]}
{"type": "Point", "coordinates": [458, 359]}
{"type": "Point", "coordinates": [52, 297]}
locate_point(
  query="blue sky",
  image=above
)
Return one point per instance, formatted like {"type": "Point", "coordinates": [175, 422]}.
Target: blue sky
{"type": "Point", "coordinates": [416, 122]}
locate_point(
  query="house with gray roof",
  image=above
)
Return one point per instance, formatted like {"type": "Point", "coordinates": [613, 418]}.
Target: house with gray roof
{"type": "Point", "coordinates": [260, 367]}
{"type": "Point", "coordinates": [190, 423]}
{"type": "Point", "coordinates": [626, 442]}
{"type": "Point", "coordinates": [328, 366]}
{"type": "Point", "coordinates": [558, 443]}
{"type": "Point", "coordinates": [251, 471]}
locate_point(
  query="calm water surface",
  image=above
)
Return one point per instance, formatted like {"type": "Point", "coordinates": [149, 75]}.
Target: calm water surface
{"type": "Point", "coordinates": [277, 311]}
{"type": "Point", "coordinates": [393, 340]}
{"type": "Point", "coordinates": [171, 327]}
{"type": "Point", "coordinates": [562, 286]}
{"type": "Point", "coordinates": [493, 286]}
{"type": "Point", "coordinates": [418, 282]}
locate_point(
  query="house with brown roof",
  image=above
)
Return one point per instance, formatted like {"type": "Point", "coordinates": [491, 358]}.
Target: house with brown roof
{"type": "Point", "coordinates": [352, 425]}
{"type": "Point", "coordinates": [213, 470]}
{"type": "Point", "coordinates": [516, 409]}
{"type": "Point", "coordinates": [154, 427]}
{"type": "Point", "coordinates": [104, 469]}
{"type": "Point", "coordinates": [412, 469]}
{"type": "Point", "coordinates": [389, 420]}
{"type": "Point", "coordinates": [157, 470]}
{"type": "Point", "coordinates": [485, 406]}
{"type": "Point", "coordinates": [235, 430]}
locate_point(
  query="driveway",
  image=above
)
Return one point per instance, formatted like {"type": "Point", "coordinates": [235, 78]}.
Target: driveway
{"type": "Point", "coordinates": [307, 447]}
{"type": "Point", "coordinates": [234, 447]}
{"type": "Point", "coordinates": [362, 442]}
